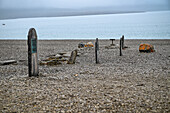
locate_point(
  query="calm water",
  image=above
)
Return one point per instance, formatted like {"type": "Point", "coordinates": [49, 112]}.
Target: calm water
{"type": "Point", "coordinates": [149, 25]}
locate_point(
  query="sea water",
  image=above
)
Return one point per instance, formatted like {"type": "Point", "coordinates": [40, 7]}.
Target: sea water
{"type": "Point", "coordinates": [146, 25]}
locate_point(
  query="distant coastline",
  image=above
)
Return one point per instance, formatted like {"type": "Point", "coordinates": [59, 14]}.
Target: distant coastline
{"type": "Point", "coordinates": [14, 13]}
{"type": "Point", "coordinates": [11, 14]}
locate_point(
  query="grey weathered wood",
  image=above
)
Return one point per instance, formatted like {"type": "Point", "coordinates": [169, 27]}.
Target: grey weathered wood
{"type": "Point", "coordinates": [96, 50]}
{"type": "Point", "coordinates": [7, 62]}
{"type": "Point", "coordinates": [72, 57]}
{"type": "Point", "coordinates": [123, 42]}
{"type": "Point", "coordinates": [32, 53]}
{"type": "Point", "coordinates": [120, 46]}
{"type": "Point", "coordinates": [112, 42]}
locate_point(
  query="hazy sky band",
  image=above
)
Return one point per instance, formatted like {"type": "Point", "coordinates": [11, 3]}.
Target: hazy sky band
{"type": "Point", "coordinates": [79, 3]}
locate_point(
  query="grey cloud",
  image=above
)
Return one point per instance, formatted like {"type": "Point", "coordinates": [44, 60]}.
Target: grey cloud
{"type": "Point", "coordinates": [77, 3]}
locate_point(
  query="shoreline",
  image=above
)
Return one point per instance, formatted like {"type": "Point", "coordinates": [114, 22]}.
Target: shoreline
{"type": "Point", "coordinates": [168, 39]}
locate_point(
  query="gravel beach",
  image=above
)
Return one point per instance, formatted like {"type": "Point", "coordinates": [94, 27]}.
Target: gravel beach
{"type": "Point", "coordinates": [134, 82]}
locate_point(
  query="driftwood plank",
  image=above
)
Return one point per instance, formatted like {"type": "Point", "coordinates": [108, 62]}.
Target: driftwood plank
{"type": "Point", "coordinates": [7, 62]}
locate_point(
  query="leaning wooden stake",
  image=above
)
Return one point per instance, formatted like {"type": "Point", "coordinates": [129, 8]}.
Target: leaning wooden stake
{"type": "Point", "coordinates": [32, 53]}
{"type": "Point", "coordinates": [72, 57]}
{"type": "Point", "coordinates": [120, 46]}
{"type": "Point", "coordinates": [96, 50]}
{"type": "Point", "coordinates": [123, 42]}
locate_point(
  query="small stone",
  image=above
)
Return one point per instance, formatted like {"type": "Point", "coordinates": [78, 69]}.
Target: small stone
{"type": "Point", "coordinates": [63, 96]}
{"type": "Point", "coordinates": [76, 75]}
{"type": "Point", "coordinates": [140, 85]}
{"type": "Point", "coordinates": [62, 111]}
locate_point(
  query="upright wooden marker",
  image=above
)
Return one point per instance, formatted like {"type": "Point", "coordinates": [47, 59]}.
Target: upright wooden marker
{"type": "Point", "coordinates": [72, 57]}
{"type": "Point", "coordinates": [123, 42]}
{"type": "Point", "coordinates": [96, 50]}
{"type": "Point", "coordinates": [112, 42]}
{"type": "Point", "coordinates": [120, 46]}
{"type": "Point", "coordinates": [32, 53]}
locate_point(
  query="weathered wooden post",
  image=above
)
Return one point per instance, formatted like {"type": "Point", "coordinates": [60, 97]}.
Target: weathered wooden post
{"type": "Point", "coordinates": [122, 41]}
{"type": "Point", "coordinates": [32, 53]}
{"type": "Point", "coordinates": [112, 42]}
{"type": "Point", "coordinates": [120, 46]}
{"type": "Point", "coordinates": [72, 57]}
{"type": "Point", "coordinates": [96, 50]}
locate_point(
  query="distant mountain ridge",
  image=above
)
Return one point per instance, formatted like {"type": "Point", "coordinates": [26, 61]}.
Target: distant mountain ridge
{"type": "Point", "coordinates": [58, 12]}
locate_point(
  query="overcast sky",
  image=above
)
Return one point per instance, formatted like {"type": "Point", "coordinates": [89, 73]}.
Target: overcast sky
{"type": "Point", "coordinates": [79, 3]}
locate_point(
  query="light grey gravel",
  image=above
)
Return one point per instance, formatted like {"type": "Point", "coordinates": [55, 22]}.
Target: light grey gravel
{"type": "Point", "coordinates": [134, 82]}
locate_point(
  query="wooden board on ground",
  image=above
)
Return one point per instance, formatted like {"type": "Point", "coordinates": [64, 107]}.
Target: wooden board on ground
{"type": "Point", "coordinates": [7, 62]}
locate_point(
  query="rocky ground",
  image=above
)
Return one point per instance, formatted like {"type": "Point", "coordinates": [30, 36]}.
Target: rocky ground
{"type": "Point", "coordinates": [134, 82]}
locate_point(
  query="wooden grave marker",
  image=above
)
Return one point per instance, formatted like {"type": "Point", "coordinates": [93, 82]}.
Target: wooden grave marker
{"type": "Point", "coordinates": [96, 50]}
{"type": "Point", "coordinates": [120, 46]}
{"type": "Point", "coordinates": [32, 53]}
{"type": "Point", "coordinates": [123, 41]}
{"type": "Point", "coordinates": [72, 57]}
